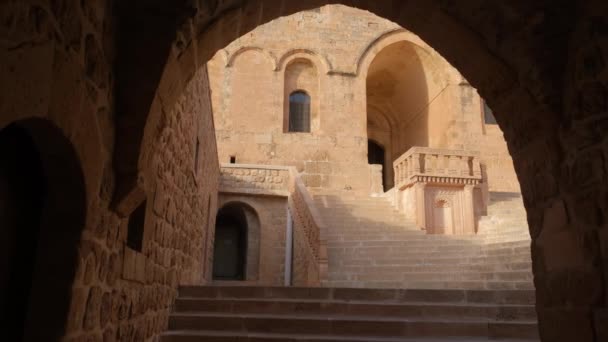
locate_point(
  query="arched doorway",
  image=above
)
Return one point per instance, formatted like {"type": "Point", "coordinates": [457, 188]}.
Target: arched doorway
{"type": "Point", "coordinates": [402, 80]}
{"type": "Point", "coordinates": [42, 214]}
{"type": "Point", "coordinates": [230, 247]}
{"type": "Point", "coordinates": [376, 155]}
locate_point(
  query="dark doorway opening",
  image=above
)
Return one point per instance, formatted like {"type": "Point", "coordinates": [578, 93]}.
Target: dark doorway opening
{"type": "Point", "coordinates": [230, 248]}
{"type": "Point", "coordinates": [376, 155]}
{"type": "Point", "coordinates": [42, 214]}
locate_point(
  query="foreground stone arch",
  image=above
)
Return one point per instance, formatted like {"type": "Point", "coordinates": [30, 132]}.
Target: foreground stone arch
{"type": "Point", "coordinates": [547, 97]}
{"type": "Point", "coordinates": [541, 67]}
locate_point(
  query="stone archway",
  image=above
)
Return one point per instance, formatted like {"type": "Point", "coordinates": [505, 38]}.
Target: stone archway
{"type": "Point", "coordinates": [237, 243]}
{"type": "Point", "coordinates": [43, 206]}
{"type": "Point", "coordinates": [543, 63]}
{"type": "Point", "coordinates": [548, 109]}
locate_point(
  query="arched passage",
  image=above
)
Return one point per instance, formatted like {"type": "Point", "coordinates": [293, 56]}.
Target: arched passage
{"type": "Point", "coordinates": [42, 214]}
{"type": "Point", "coordinates": [547, 107]}
{"type": "Point", "coordinates": [237, 243]}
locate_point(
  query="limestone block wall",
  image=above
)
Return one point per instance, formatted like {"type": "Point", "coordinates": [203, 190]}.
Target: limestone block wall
{"type": "Point", "coordinates": [253, 76]}
{"type": "Point", "coordinates": [249, 79]}
{"type": "Point", "coordinates": [470, 132]}
{"type": "Point", "coordinates": [254, 179]}
{"type": "Point", "coordinates": [56, 62]}
{"type": "Point", "coordinates": [134, 299]}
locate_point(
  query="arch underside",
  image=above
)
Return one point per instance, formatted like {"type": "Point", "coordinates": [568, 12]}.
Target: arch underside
{"type": "Point", "coordinates": [540, 67]}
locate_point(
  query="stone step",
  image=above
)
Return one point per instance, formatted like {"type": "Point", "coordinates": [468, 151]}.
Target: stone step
{"type": "Point", "coordinates": [437, 285]}
{"type": "Point", "coordinates": [237, 336]}
{"type": "Point", "coordinates": [396, 274]}
{"type": "Point", "coordinates": [357, 308]}
{"type": "Point", "coordinates": [511, 262]}
{"type": "Point", "coordinates": [444, 245]}
{"type": "Point", "coordinates": [340, 325]}
{"type": "Point", "coordinates": [349, 294]}
{"type": "Point", "coordinates": [346, 267]}
{"type": "Point", "coordinates": [420, 252]}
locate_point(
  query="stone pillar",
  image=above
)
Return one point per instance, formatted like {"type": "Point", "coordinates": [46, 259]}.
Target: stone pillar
{"type": "Point", "coordinates": [376, 187]}
{"type": "Point", "coordinates": [468, 210]}
{"type": "Point", "coordinates": [420, 196]}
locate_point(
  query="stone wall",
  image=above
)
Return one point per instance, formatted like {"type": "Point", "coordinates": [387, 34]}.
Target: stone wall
{"type": "Point", "coordinates": [542, 68]}
{"type": "Point", "coordinates": [413, 98]}
{"type": "Point", "coordinates": [254, 179]}
{"type": "Point", "coordinates": [56, 64]}
{"type": "Point", "coordinates": [126, 293]}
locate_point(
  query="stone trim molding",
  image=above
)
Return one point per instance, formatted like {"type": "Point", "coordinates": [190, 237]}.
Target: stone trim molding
{"type": "Point", "coordinates": [232, 57]}
{"type": "Point", "coordinates": [316, 58]}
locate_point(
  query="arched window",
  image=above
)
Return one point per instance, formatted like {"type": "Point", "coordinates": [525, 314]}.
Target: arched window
{"type": "Point", "coordinates": [488, 114]}
{"type": "Point", "coordinates": [299, 112]}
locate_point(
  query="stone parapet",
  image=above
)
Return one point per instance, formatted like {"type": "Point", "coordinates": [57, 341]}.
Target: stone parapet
{"type": "Point", "coordinates": [438, 188]}
{"type": "Point", "coordinates": [434, 165]}
{"type": "Point", "coordinates": [255, 179]}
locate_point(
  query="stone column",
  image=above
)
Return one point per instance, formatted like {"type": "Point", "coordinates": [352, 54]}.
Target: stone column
{"type": "Point", "coordinates": [419, 194]}
{"type": "Point", "coordinates": [468, 210]}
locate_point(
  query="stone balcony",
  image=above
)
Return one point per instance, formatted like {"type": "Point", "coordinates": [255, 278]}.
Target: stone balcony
{"type": "Point", "coordinates": [439, 189]}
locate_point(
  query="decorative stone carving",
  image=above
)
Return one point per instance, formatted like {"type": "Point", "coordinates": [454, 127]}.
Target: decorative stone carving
{"type": "Point", "coordinates": [436, 188]}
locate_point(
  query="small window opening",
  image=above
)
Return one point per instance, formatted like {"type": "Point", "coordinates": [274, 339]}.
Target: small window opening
{"type": "Point", "coordinates": [299, 112]}
{"type": "Point", "coordinates": [135, 234]}
{"type": "Point", "coordinates": [488, 115]}
{"type": "Point", "coordinates": [196, 155]}
{"type": "Point", "coordinates": [232, 159]}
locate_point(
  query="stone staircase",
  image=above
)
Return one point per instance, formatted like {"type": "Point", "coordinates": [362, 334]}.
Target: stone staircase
{"type": "Point", "coordinates": [257, 314]}
{"type": "Point", "coordinates": [372, 245]}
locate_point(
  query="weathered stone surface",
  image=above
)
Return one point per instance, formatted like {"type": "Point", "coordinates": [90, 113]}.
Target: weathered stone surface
{"type": "Point", "coordinates": [93, 308]}
{"type": "Point", "coordinates": [541, 68]}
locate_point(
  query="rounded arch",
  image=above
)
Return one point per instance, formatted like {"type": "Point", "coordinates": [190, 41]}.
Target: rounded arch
{"type": "Point", "coordinates": [369, 53]}
{"type": "Point", "coordinates": [232, 57]}
{"type": "Point", "coordinates": [525, 90]}
{"type": "Point", "coordinates": [43, 185]}
{"type": "Point", "coordinates": [319, 61]}
{"type": "Point", "coordinates": [302, 92]}
{"type": "Point", "coordinates": [248, 218]}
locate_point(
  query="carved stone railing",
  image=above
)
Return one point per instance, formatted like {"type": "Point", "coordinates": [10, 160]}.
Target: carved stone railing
{"type": "Point", "coordinates": [432, 165]}
{"type": "Point", "coordinates": [309, 242]}
{"type": "Point", "coordinates": [437, 188]}
{"type": "Point", "coordinates": [310, 263]}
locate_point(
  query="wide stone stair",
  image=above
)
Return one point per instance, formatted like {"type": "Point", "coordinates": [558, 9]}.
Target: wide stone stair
{"type": "Point", "coordinates": [257, 314]}
{"type": "Point", "coordinates": [372, 245]}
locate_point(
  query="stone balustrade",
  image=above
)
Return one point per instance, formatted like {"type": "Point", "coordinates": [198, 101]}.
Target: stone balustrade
{"type": "Point", "coordinates": [439, 189]}
{"type": "Point", "coordinates": [433, 165]}
{"type": "Point", "coordinates": [309, 244]}
{"type": "Point", "coordinates": [310, 264]}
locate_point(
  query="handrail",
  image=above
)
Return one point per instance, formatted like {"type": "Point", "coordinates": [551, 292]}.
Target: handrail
{"type": "Point", "coordinates": [308, 224]}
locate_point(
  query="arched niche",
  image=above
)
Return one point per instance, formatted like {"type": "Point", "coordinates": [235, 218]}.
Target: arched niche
{"type": "Point", "coordinates": [301, 76]}
{"type": "Point", "coordinates": [406, 103]}
{"type": "Point", "coordinates": [236, 253]}
{"type": "Point", "coordinates": [42, 215]}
